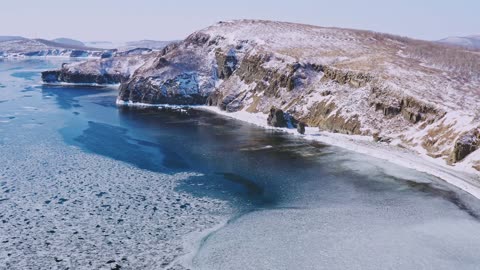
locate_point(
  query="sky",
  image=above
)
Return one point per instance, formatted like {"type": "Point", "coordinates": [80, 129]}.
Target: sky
{"type": "Point", "coordinates": [123, 20]}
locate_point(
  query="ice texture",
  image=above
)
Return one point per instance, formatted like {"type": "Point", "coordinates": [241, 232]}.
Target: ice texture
{"type": "Point", "coordinates": [64, 208]}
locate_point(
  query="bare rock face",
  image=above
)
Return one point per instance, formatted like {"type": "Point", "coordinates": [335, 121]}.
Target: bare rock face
{"type": "Point", "coordinates": [465, 145]}
{"type": "Point", "coordinates": [111, 69]}
{"type": "Point", "coordinates": [276, 118]}
{"type": "Point", "coordinates": [411, 109]}
{"type": "Point", "coordinates": [354, 79]}
{"type": "Point", "coordinates": [181, 90]}
{"type": "Point", "coordinates": [227, 63]}
{"type": "Point", "coordinates": [64, 75]}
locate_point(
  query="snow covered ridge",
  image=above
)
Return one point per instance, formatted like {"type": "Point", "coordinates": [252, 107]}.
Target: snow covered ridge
{"type": "Point", "coordinates": [472, 42]}
{"type": "Point", "coordinates": [23, 47]}
{"type": "Point", "coordinates": [418, 95]}
{"type": "Point", "coordinates": [19, 47]}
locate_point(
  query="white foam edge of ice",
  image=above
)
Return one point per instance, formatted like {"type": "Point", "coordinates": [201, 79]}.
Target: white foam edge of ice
{"type": "Point", "coordinates": [466, 179]}
{"type": "Point", "coordinates": [106, 85]}
{"type": "Point", "coordinates": [192, 242]}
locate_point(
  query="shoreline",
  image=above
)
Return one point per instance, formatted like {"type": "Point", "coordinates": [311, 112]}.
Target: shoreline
{"type": "Point", "coordinates": [458, 176]}
{"type": "Point", "coordinates": [193, 242]}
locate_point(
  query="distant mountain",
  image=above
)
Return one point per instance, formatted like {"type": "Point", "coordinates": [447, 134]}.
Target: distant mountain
{"type": "Point", "coordinates": [17, 46]}
{"type": "Point", "coordinates": [24, 47]}
{"type": "Point", "coordinates": [468, 41]}
{"type": "Point", "coordinates": [102, 44]}
{"type": "Point", "coordinates": [150, 44]}
{"type": "Point", "coordinates": [69, 41]}
{"type": "Point", "coordinates": [7, 38]}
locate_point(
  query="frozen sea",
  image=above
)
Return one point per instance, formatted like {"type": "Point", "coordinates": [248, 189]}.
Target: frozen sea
{"type": "Point", "coordinates": [87, 185]}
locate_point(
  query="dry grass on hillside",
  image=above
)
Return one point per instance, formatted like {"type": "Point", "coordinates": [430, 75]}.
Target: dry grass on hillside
{"type": "Point", "coordinates": [461, 61]}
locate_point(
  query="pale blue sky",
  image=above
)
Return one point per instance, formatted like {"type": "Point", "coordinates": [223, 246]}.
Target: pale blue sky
{"type": "Point", "coordinates": [121, 20]}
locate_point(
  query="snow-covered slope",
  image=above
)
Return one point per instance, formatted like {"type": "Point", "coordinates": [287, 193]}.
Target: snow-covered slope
{"type": "Point", "coordinates": [468, 41]}
{"type": "Point", "coordinates": [419, 95]}
{"type": "Point", "coordinates": [6, 38]}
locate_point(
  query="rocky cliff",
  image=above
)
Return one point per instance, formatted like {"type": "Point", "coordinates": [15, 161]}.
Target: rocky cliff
{"type": "Point", "coordinates": [110, 69]}
{"type": "Point", "coordinates": [399, 91]}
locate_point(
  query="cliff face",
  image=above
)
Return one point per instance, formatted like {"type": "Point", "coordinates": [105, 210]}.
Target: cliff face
{"type": "Point", "coordinates": [111, 69]}
{"type": "Point", "coordinates": [340, 80]}
{"type": "Point", "coordinates": [64, 75]}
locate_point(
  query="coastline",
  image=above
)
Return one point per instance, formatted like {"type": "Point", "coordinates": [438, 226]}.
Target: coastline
{"type": "Point", "coordinates": [459, 176]}
{"type": "Point", "coordinates": [464, 178]}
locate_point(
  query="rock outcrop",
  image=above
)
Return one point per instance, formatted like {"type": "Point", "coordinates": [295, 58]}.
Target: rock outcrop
{"type": "Point", "coordinates": [226, 63]}
{"type": "Point", "coordinates": [106, 70]}
{"type": "Point", "coordinates": [181, 90]}
{"type": "Point", "coordinates": [301, 128]}
{"type": "Point", "coordinates": [276, 118]}
{"type": "Point", "coordinates": [64, 75]}
{"type": "Point", "coordinates": [465, 144]}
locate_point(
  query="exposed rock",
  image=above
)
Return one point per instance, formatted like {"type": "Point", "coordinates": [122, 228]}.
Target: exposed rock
{"type": "Point", "coordinates": [408, 107]}
{"type": "Point", "coordinates": [214, 98]}
{"type": "Point", "coordinates": [338, 123]}
{"type": "Point", "coordinates": [326, 93]}
{"type": "Point", "coordinates": [465, 144]}
{"type": "Point", "coordinates": [268, 81]}
{"type": "Point", "coordinates": [107, 70]}
{"type": "Point", "coordinates": [301, 127]}
{"type": "Point", "coordinates": [181, 90]}
{"type": "Point", "coordinates": [197, 39]}
{"type": "Point", "coordinates": [227, 63]}
{"type": "Point", "coordinates": [276, 118]}
{"type": "Point", "coordinates": [355, 79]}
{"type": "Point", "coordinates": [64, 75]}
{"type": "Point", "coordinates": [378, 138]}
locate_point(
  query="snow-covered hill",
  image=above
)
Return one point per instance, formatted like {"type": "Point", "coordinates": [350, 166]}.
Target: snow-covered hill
{"type": "Point", "coordinates": [16, 46]}
{"type": "Point", "coordinates": [6, 38]}
{"type": "Point", "coordinates": [24, 47]}
{"type": "Point", "coordinates": [468, 41]}
{"type": "Point", "coordinates": [418, 95]}
{"type": "Point", "coordinates": [69, 41]}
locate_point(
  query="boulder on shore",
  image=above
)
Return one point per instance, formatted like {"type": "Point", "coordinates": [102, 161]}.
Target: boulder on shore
{"type": "Point", "coordinates": [465, 145]}
{"type": "Point", "coordinates": [276, 118]}
{"type": "Point", "coordinates": [301, 127]}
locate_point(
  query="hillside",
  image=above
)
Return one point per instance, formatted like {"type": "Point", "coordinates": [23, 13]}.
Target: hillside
{"type": "Point", "coordinates": [69, 41]}
{"type": "Point", "coordinates": [472, 42]}
{"type": "Point", "coordinates": [24, 47]}
{"type": "Point", "coordinates": [419, 95]}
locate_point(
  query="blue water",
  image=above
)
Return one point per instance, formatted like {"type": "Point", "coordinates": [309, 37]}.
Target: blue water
{"type": "Point", "coordinates": [292, 204]}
